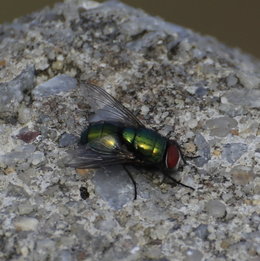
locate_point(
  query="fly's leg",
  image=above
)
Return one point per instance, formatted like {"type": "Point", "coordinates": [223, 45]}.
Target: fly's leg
{"type": "Point", "coordinates": [176, 182]}
{"type": "Point", "coordinates": [133, 181]}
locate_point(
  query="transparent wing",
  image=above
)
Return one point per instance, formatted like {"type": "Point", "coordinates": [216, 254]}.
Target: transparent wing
{"type": "Point", "coordinates": [107, 108]}
{"type": "Point", "coordinates": [98, 153]}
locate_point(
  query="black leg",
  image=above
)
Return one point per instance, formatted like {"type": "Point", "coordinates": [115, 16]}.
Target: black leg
{"type": "Point", "coordinates": [175, 181]}
{"type": "Point", "coordinates": [134, 183]}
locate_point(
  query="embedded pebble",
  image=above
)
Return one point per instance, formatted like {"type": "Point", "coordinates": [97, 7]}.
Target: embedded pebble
{"type": "Point", "coordinates": [216, 208]}
{"type": "Point", "coordinates": [12, 93]}
{"type": "Point", "coordinates": [231, 80]}
{"type": "Point", "coordinates": [21, 154]}
{"type": "Point", "coordinates": [28, 136]}
{"type": "Point", "coordinates": [25, 208]}
{"type": "Point", "coordinates": [202, 231]}
{"type": "Point", "coordinates": [249, 80]}
{"type": "Point", "coordinates": [193, 255]}
{"type": "Point", "coordinates": [145, 109]}
{"type": "Point", "coordinates": [67, 140]}
{"type": "Point", "coordinates": [56, 86]}
{"type": "Point", "coordinates": [233, 151]}
{"type": "Point", "coordinates": [203, 150]}
{"type": "Point", "coordinates": [24, 115]}
{"type": "Point", "coordinates": [243, 97]}
{"type": "Point", "coordinates": [222, 126]}
{"type": "Point", "coordinates": [15, 191]}
{"type": "Point", "coordinates": [37, 157]}
{"type": "Point", "coordinates": [242, 175]}
{"type": "Point", "coordinates": [26, 224]}
{"type": "Point", "coordinates": [105, 179]}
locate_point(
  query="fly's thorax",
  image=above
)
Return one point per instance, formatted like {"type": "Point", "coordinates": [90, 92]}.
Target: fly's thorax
{"type": "Point", "coordinates": [172, 156]}
{"type": "Point", "coordinates": [98, 130]}
{"type": "Point", "coordinates": [148, 144]}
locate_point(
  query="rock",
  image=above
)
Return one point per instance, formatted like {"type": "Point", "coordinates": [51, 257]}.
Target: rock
{"type": "Point", "coordinates": [191, 88]}
{"type": "Point", "coordinates": [233, 151]}
{"type": "Point", "coordinates": [55, 86]}
{"type": "Point", "coordinates": [216, 208]}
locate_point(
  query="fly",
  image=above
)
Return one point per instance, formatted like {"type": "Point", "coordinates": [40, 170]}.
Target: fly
{"type": "Point", "coordinates": [116, 136]}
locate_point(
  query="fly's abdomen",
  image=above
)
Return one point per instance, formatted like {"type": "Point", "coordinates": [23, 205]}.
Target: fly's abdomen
{"type": "Point", "coordinates": [147, 143]}
{"type": "Point", "coordinates": [98, 130]}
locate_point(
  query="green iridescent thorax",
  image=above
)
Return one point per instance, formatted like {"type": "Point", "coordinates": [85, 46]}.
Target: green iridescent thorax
{"type": "Point", "coordinates": [147, 143]}
{"type": "Point", "coordinates": [98, 130]}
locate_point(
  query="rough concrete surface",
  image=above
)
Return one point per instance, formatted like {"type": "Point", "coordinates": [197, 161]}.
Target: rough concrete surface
{"type": "Point", "coordinates": [186, 86]}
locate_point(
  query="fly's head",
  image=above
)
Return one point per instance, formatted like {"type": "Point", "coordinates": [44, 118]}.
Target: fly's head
{"type": "Point", "coordinates": [173, 156]}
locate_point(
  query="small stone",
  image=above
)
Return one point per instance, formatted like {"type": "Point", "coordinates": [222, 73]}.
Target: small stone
{"type": "Point", "coordinates": [83, 172]}
{"type": "Point", "coordinates": [231, 80]}
{"type": "Point", "coordinates": [12, 93]}
{"type": "Point", "coordinates": [216, 153]}
{"type": "Point", "coordinates": [221, 127]}
{"type": "Point", "coordinates": [57, 65]}
{"type": "Point", "coordinates": [249, 80]}
{"type": "Point", "coordinates": [16, 191]}
{"type": "Point", "coordinates": [21, 154]}
{"type": "Point", "coordinates": [203, 150]}
{"type": "Point", "coordinates": [165, 130]}
{"type": "Point", "coordinates": [216, 208]}
{"type": "Point", "coordinates": [144, 110]}
{"type": "Point", "coordinates": [67, 140]}
{"type": "Point", "coordinates": [202, 231]}
{"type": "Point", "coordinates": [24, 251]}
{"type": "Point", "coordinates": [190, 147]}
{"type": "Point", "coordinates": [24, 115]}
{"type": "Point", "coordinates": [9, 170]}
{"type": "Point", "coordinates": [244, 97]}
{"type": "Point", "coordinates": [26, 224]}
{"type": "Point", "coordinates": [242, 175]}
{"type": "Point", "coordinates": [37, 157]}
{"type": "Point", "coordinates": [64, 255]}
{"type": "Point", "coordinates": [55, 86]}
{"type": "Point", "coordinates": [233, 151]}
{"type": "Point", "coordinates": [28, 136]}
{"type": "Point", "coordinates": [193, 255]}
{"type": "Point", "coordinates": [25, 208]}
{"type": "Point", "coordinates": [234, 132]}
{"type": "Point", "coordinates": [116, 196]}
{"type": "Point", "coordinates": [225, 243]}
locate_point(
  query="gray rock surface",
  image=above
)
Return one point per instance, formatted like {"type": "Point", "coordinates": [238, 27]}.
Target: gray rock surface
{"type": "Point", "coordinates": [187, 86]}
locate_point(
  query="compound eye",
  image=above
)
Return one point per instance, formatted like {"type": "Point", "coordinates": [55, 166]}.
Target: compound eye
{"type": "Point", "coordinates": [172, 156]}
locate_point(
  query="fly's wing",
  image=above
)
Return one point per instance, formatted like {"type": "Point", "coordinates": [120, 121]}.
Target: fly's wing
{"type": "Point", "coordinates": [105, 151]}
{"type": "Point", "coordinates": [107, 108]}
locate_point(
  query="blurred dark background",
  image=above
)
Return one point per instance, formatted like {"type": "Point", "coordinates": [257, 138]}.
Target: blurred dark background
{"type": "Point", "coordinates": [234, 22]}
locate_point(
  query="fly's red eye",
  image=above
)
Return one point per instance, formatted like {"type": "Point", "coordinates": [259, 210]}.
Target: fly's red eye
{"type": "Point", "coordinates": [172, 156]}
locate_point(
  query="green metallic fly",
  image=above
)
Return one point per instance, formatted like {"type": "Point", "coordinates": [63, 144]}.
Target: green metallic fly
{"type": "Point", "coordinates": [116, 136]}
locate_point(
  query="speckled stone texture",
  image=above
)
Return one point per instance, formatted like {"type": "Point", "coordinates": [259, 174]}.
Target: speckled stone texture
{"type": "Point", "coordinates": [186, 86]}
